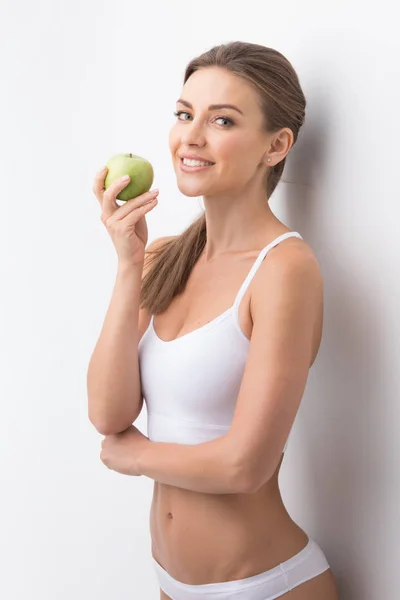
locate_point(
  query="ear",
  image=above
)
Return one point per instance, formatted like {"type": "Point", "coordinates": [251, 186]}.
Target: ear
{"type": "Point", "coordinates": [266, 159]}
{"type": "Point", "coordinates": [280, 147]}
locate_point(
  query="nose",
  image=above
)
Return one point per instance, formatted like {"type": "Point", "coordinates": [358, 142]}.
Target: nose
{"type": "Point", "coordinates": [193, 134]}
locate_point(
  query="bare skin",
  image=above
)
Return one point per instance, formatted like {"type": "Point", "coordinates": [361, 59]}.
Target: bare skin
{"type": "Point", "coordinates": [201, 538]}
{"type": "Point", "coordinates": [207, 538]}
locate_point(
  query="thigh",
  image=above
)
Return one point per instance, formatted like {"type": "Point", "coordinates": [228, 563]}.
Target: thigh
{"type": "Point", "coordinates": [321, 586]}
{"type": "Point", "coordinates": [163, 596]}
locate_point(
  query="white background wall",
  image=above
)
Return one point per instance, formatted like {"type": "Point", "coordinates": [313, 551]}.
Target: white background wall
{"type": "Point", "coordinates": [81, 81]}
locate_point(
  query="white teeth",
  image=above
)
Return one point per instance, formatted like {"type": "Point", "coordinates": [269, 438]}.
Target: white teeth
{"type": "Point", "coordinates": [195, 163]}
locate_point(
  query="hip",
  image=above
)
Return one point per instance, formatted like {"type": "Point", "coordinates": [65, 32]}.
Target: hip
{"type": "Point", "coordinates": [304, 575]}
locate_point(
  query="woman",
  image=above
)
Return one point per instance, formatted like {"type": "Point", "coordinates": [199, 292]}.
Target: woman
{"type": "Point", "coordinates": [227, 337]}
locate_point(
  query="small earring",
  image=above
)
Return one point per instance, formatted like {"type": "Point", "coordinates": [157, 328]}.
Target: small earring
{"type": "Point", "coordinates": [268, 159]}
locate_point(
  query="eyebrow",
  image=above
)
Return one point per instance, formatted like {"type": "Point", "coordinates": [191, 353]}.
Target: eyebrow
{"type": "Point", "coordinates": [212, 106]}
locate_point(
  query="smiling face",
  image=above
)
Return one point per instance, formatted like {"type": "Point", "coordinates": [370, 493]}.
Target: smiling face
{"type": "Point", "coordinates": [234, 140]}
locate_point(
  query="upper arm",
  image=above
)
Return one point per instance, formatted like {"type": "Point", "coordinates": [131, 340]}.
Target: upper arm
{"type": "Point", "coordinates": [284, 308]}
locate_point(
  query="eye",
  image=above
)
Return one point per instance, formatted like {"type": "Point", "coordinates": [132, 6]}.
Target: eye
{"type": "Point", "coordinates": [178, 113]}
{"type": "Point", "coordinates": [183, 112]}
{"type": "Point", "coordinates": [225, 119]}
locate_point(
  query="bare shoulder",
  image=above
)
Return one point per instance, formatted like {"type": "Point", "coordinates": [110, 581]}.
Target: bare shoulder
{"type": "Point", "coordinates": [290, 268]}
{"type": "Point", "coordinates": [288, 288]}
{"type": "Point", "coordinates": [294, 257]}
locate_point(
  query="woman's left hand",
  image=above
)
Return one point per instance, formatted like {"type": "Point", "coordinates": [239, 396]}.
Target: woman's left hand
{"type": "Point", "coordinates": [120, 451]}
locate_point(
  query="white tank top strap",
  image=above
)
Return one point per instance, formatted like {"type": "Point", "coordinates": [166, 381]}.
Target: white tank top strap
{"type": "Point", "coordinates": [257, 263]}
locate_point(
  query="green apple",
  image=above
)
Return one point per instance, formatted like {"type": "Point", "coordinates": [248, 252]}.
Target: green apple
{"type": "Point", "coordinates": [139, 169]}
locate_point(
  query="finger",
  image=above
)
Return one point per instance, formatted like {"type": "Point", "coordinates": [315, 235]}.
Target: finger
{"type": "Point", "coordinates": [110, 205]}
{"type": "Point", "coordinates": [133, 217]}
{"type": "Point", "coordinates": [98, 185]}
{"type": "Point", "coordinates": [135, 203]}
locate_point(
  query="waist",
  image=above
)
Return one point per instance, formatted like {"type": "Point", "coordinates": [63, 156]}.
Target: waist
{"type": "Point", "coordinates": [221, 536]}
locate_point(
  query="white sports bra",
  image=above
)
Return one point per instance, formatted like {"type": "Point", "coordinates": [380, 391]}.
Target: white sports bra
{"type": "Point", "coordinates": [190, 384]}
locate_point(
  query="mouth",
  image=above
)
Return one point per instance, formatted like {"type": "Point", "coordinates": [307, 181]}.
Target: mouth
{"type": "Point", "coordinates": [189, 169]}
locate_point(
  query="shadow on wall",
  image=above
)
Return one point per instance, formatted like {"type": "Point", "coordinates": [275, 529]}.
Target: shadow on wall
{"type": "Point", "coordinates": [342, 437]}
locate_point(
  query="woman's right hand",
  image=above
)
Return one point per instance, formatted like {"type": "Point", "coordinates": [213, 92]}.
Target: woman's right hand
{"type": "Point", "coordinates": [126, 224]}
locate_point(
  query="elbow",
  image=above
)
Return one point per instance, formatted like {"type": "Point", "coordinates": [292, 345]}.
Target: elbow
{"type": "Point", "coordinates": [102, 430]}
{"type": "Point", "coordinates": [113, 424]}
{"type": "Point", "coordinates": [247, 485]}
{"type": "Point", "coordinates": [108, 428]}
{"type": "Point", "coordinates": [242, 479]}
{"type": "Point", "coordinates": [251, 481]}
{"type": "Point", "coordinates": [100, 427]}
{"type": "Point", "coordinates": [248, 476]}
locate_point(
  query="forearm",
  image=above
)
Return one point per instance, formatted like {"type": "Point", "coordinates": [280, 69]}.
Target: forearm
{"type": "Point", "coordinates": [113, 382]}
{"type": "Point", "coordinates": [208, 467]}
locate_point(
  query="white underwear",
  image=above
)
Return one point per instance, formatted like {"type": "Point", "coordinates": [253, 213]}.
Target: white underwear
{"type": "Point", "coordinates": [271, 584]}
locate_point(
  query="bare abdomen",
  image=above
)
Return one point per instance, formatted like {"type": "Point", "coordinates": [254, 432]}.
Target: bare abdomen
{"type": "Point", "coordinates": [207, 538]}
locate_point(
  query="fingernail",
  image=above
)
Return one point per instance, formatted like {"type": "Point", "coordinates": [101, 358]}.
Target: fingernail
{"type": "Point", "coordinates": [125, 178]}
{"type": "Point", "coordinates": [154, 192]}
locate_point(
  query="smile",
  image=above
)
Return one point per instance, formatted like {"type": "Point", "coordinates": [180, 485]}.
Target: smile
{"type": "Point", "coordinates": [192, 168]}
